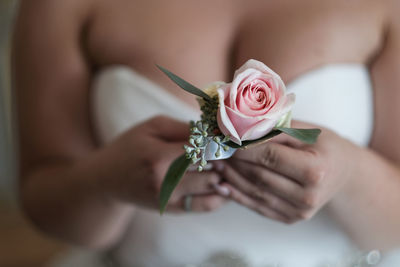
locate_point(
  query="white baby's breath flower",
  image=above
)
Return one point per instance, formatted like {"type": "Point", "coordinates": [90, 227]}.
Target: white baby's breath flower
{"type": "Point", "coordinates": [212, 89]}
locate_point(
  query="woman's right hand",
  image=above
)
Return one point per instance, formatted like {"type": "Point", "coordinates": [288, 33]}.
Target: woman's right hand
{"type": "Point", "coordinates": [143, 155]}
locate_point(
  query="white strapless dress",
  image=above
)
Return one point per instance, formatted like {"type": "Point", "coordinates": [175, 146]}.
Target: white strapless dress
{"type": "Point", "coordinates": [337, 96]}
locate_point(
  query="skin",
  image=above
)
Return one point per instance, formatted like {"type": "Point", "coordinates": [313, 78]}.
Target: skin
{"type": "Point", "coordinates": [78, 190]}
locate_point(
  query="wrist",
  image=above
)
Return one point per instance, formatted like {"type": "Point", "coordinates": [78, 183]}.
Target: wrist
{"type": "Point", "coordinates": [100, 172]}
{"type": "Point", "coordinates": [353, 173]}
{"type": "Point", "coordinates": [364, 167]}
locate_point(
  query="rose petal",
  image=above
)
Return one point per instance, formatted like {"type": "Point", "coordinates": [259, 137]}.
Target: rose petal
{"type": "Point", "coordinates": [224, 122]}
{"type": "Point", "coordinates": [253, 103]}
{"type": "Point", "coordinates": [236, 83]}
{"type": "Point", "coordinates": [247, 102]}
{"type": "Point", "coordinates": [283, 106]}
{"type": "Point", "coordinates": [241, 122]}
{"type": "Point", "coordinates": [255, 64]}
{"type": "Point", "coordinates": [259, 130]}
{"type": "Point", "coordinates": [264, 125]}
{"type": "Point", "coordinates": [265, 82]}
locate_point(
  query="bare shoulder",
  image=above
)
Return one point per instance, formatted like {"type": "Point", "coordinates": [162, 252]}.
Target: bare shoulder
{"type": "Point", "coordinates": [55, 5]}
{"type": "Point", "coordinates": [393, 7]}
{"type": "Point", "coordinates": [393, 28]}
{"type": "Point", "coordinates": [45, 23]}
{"type": "Point", "coordinates": [47, 32]}
{"type": "Point", "coordinates": [386, 79]}
{"type": "Point", "coordinates": [51, 74]}
{"type": "Point", "coordinates": [55, 11]}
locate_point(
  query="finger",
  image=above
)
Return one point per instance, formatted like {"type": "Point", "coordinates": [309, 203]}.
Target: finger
{"type": "Point", "coordinates": [245, 200]}
{"type": "Point", "coordinates": [160, 161]}
{"type": "Point", "coordinates": [170, 151]}
{"type": "Point", "coordinates": [287, 140]}
{"type": "Point", "coordinates": [207, 203]}
{"type": "Point", "coordinates": [204, 203]}
{"type": "Point", "coordinates": [282, 159]}
{"type": "Point", "coordinates": [197, 183]}
{"type": "Point", "coordinates": [262, 196]}
{"type": "Point", "coordinates": [168, 129]}
{"type": "Point", "coordinates": [264, 178]}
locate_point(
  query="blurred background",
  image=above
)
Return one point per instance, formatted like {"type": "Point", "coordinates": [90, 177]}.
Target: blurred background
{"type": "Point", "coordinates": [20, 244]}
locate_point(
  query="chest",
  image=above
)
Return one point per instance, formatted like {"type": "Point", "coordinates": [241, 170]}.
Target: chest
{"type": "Point", "coordinates": [293, 37]}
{"type": "Point", "coordinates": [206, 40]}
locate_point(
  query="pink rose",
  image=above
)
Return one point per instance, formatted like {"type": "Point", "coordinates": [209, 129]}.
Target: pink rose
{"type": "Point", "coordinates": [253, 103]}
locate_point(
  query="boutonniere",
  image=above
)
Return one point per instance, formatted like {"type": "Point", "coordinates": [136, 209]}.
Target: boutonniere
{"type": "Point", "coordinates": [251, 109]}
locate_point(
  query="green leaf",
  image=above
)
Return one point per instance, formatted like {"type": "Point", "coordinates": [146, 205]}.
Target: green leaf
{"type": "Point", "coordinates": [172, 178]}
{"type": "Point", "coordinates": [308, 136]}
{"type": "Point", "coordinates": [184, 84]}
{"type": "Point", "coordinates": [271, 134]}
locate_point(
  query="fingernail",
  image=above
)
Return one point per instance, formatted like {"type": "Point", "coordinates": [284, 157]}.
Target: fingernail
{"type": "Point", "coordinates": [222, 190]}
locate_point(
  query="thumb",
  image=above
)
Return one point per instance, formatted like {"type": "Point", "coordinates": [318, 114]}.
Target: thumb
{"type": "Point", "coordinates": [169, 129]}
{"type": "Point", "coordinates": [172, 150]}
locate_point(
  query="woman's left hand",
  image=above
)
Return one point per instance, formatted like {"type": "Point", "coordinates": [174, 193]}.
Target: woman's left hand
{"type": "Point", "coordinates": [287, 180]}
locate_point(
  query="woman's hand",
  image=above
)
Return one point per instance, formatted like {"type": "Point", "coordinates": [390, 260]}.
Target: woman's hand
{"type": "Point", "coordinates": [286, 180]}
{"type": "Point", "coordinates": [145, 153]}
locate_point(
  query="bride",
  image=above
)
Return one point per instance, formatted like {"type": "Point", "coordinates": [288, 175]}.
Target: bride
{"type": "Point", "coordinates": [99, 126]}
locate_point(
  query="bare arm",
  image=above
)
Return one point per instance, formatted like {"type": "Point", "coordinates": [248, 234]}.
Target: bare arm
{"type": "Point", "coordinates": [289, 181]}
{"type": "Point", "coordinates": [369, 208]}
{"type": "Point", "coordinates": [52, 79]}
{"type": "Point", "coordinates": [69, 186]}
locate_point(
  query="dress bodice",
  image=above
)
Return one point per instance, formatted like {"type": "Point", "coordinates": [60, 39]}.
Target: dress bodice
{"type": "Point", "coordinates": [337, 96]}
